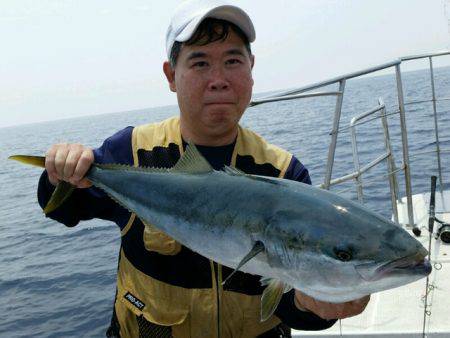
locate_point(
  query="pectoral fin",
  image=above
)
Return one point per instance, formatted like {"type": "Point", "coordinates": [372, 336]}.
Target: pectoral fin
{"type": "Point", "coordinates": [271, 296]}
{"type": "Point", "coordinates": [257, 248]}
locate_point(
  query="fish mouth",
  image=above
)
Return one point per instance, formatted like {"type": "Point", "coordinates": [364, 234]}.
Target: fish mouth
{"type": "Point", "coordinates": [415, 264]}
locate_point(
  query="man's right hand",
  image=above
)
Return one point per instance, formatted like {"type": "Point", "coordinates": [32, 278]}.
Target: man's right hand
{"type": "Point", "coordinates": [70, 163]}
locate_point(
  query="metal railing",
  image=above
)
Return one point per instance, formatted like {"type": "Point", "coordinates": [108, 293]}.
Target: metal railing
{"type": "Point", "coordinates": [305, 92]}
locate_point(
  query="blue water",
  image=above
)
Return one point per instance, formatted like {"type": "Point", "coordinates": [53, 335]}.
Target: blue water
{"type": "Point", "coordinates": [60, 282]}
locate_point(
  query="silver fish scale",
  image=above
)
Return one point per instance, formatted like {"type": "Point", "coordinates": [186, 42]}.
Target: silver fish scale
{"type": "Point", "coordinates": [221, 216]}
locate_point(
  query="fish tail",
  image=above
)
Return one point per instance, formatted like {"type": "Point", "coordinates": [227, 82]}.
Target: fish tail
{"type": "Point", "coordinates": [38, 161]}
{"type": "Point", "coordinates": [63, 189]}
{"type": "Point", "coordinates": [62, 192]}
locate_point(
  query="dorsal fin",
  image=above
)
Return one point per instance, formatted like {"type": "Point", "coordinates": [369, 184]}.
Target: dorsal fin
{"type": "Point", "coordinates": [233, 171]}
{"type": "Point", "coordinates": [192, 162]}
{"type": "Point", "coordinates": [237, 172]}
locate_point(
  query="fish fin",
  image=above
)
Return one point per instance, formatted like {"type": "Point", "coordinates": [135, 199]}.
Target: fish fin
{"type": "Point", "coordinates": [38, 161]}
{"type": "Point", "coordinates": [271, 296]}
{"type": "Point", "coordinates": [233, 171]}
{"type": "Point", "coordinates": [127, 167]}
{"type": "Point", "coordinates": [62, 192]}
{"type": "Point", "coordinates": [192, 162]}
{"type": "Point", "coordinates": [237, 172]}
{"type": "Point", "coordinates": [63, 189]}
{"type": "Point", "coordinates": [270, 180]}
{"type": "Point", "coordinates": [257, 248]}
{"type": "Point", "coordinates": [267, 280]}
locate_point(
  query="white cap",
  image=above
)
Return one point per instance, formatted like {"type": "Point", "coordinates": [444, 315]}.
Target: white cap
{"type": "Point", "coordinates": [190, 13]}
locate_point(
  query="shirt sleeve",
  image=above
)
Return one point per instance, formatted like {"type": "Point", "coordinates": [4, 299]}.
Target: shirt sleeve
{"type": "Point", "coordinates": [297, 172]}
{"type": "Point", "coordinates": [290, 315]}
{"type": "Point", "coordinates": [85, 204]}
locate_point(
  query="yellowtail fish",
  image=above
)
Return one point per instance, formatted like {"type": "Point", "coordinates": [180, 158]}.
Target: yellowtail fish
{"type": "Point", "coordinates": [292, 234]}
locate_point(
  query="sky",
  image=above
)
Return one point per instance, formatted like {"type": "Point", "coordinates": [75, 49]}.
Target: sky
{"type": "Point", "coordinates": [68, 58]}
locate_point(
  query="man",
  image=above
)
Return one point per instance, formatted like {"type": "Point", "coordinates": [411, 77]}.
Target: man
{"type": "Point", "coordinates": [163, 288]}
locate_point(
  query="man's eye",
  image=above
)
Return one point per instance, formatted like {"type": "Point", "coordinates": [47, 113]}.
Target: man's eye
{"type": "Point", "coordinates": [233, 61]}
{"type": "Point", "coordinates": [200, 64]}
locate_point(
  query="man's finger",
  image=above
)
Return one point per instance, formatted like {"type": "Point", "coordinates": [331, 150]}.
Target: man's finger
{"type": "Point", "coordinates": [50, 161]}
{"type": "Point", "coordinates": [363, 300]}
{"type": "Point", "coordinates": [84, 163]}
{"type": "Point", "coordinates": [72, 159]}
{"type": "Point", "coordinates": [84, 183]}
{"type": "Point", "coordinates": [60, 160]}
{"type": "Point", "coordinates": [50, 165]}
{"type": "Point", "coordinates": [355, 307]}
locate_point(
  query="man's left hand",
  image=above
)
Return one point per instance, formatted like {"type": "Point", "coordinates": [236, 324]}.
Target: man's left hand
{"type": "Point", "coordinates": [329, 311]}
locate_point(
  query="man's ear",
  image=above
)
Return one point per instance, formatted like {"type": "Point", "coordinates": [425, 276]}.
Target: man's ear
{"type": "Point", "coordinates": [170, 76]}
{"type": "Point", "coordinates": [252, 63]}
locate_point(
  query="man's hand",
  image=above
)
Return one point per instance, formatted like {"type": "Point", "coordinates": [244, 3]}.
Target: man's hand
{"type": "Point", "coordinates": [70, 163]}
{"type": "Point", "coordinates": [329, 311]}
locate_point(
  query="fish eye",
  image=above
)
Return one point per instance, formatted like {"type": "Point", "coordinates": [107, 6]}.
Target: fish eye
{"type": "Point", "coordinates": [344, 255]}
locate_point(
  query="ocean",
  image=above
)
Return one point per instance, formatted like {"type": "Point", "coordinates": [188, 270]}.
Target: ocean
{"type": "Point", "coordinates": [60, 282]}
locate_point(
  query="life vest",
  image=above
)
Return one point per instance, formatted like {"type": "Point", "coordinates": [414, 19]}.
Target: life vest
{"type": "Point", "coordinates": [165, 283]}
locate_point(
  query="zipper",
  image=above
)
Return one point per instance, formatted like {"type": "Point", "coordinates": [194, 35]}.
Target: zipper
{"type": "Point", "coordinates": [217, 275]}
{"type": "Point", "coordinates": [219, 298]}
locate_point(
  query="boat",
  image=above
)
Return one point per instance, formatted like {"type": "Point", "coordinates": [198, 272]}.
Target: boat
{"type": "Point", "coordinates": [419, 309]}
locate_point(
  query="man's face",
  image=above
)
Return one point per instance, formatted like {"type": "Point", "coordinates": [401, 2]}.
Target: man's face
{"type": "Point", "coordinates": [213, 85]}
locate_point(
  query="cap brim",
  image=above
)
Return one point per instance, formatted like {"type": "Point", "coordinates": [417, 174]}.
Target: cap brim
{"type": "Point", "coordinates": [229, 13]}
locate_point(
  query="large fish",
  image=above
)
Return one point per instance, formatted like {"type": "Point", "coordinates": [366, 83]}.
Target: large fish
{"type": "Point", "coordinates": [293, 234]}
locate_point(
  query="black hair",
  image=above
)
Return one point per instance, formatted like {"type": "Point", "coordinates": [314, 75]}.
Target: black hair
{"type": "Point", "coordinates": [208, 31]}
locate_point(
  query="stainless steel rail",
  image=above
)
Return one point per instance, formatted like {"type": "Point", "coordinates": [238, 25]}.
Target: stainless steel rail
{"type": "Point", "coordinates": [333, 80]}
{"type": "Point", "coordinates": [293, 97]}
{"type": "Point", "coordinates": [388, 155]}
{"type": "Point", "coordinates": [403, 129]}
{"type": "Point", "coordinates": [300, 93]}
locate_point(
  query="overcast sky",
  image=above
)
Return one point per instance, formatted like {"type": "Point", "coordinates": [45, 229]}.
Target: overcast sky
{"type": "Point", "coordinates": [66, 58]}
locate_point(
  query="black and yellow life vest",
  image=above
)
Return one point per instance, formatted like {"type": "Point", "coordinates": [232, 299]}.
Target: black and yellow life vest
{"type": "Point", "coordinates": [166, 283]}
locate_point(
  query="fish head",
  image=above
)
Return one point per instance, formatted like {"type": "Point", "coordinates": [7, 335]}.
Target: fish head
{"type": "Point", "coordinates": [339, 251]}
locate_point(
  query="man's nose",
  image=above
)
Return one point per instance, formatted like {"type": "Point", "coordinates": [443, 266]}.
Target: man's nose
{"type": "Point", "coordinates": [218, 80]}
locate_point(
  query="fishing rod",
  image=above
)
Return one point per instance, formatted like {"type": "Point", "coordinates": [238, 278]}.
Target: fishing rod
{"type": "Point", "coordinates": [443, 233]}
{"type": "Point", "coordinates": [431, 219]}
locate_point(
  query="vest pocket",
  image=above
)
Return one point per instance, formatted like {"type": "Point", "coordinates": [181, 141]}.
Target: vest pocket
{"type": "Point", "coordinates": [243, 316]}
{"type": "Point", "coordinates": [158, 241]}
{"type": "Point", "coordinates": [158, 302]}
{"type": "Point", "coordinates": [161, 311]}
